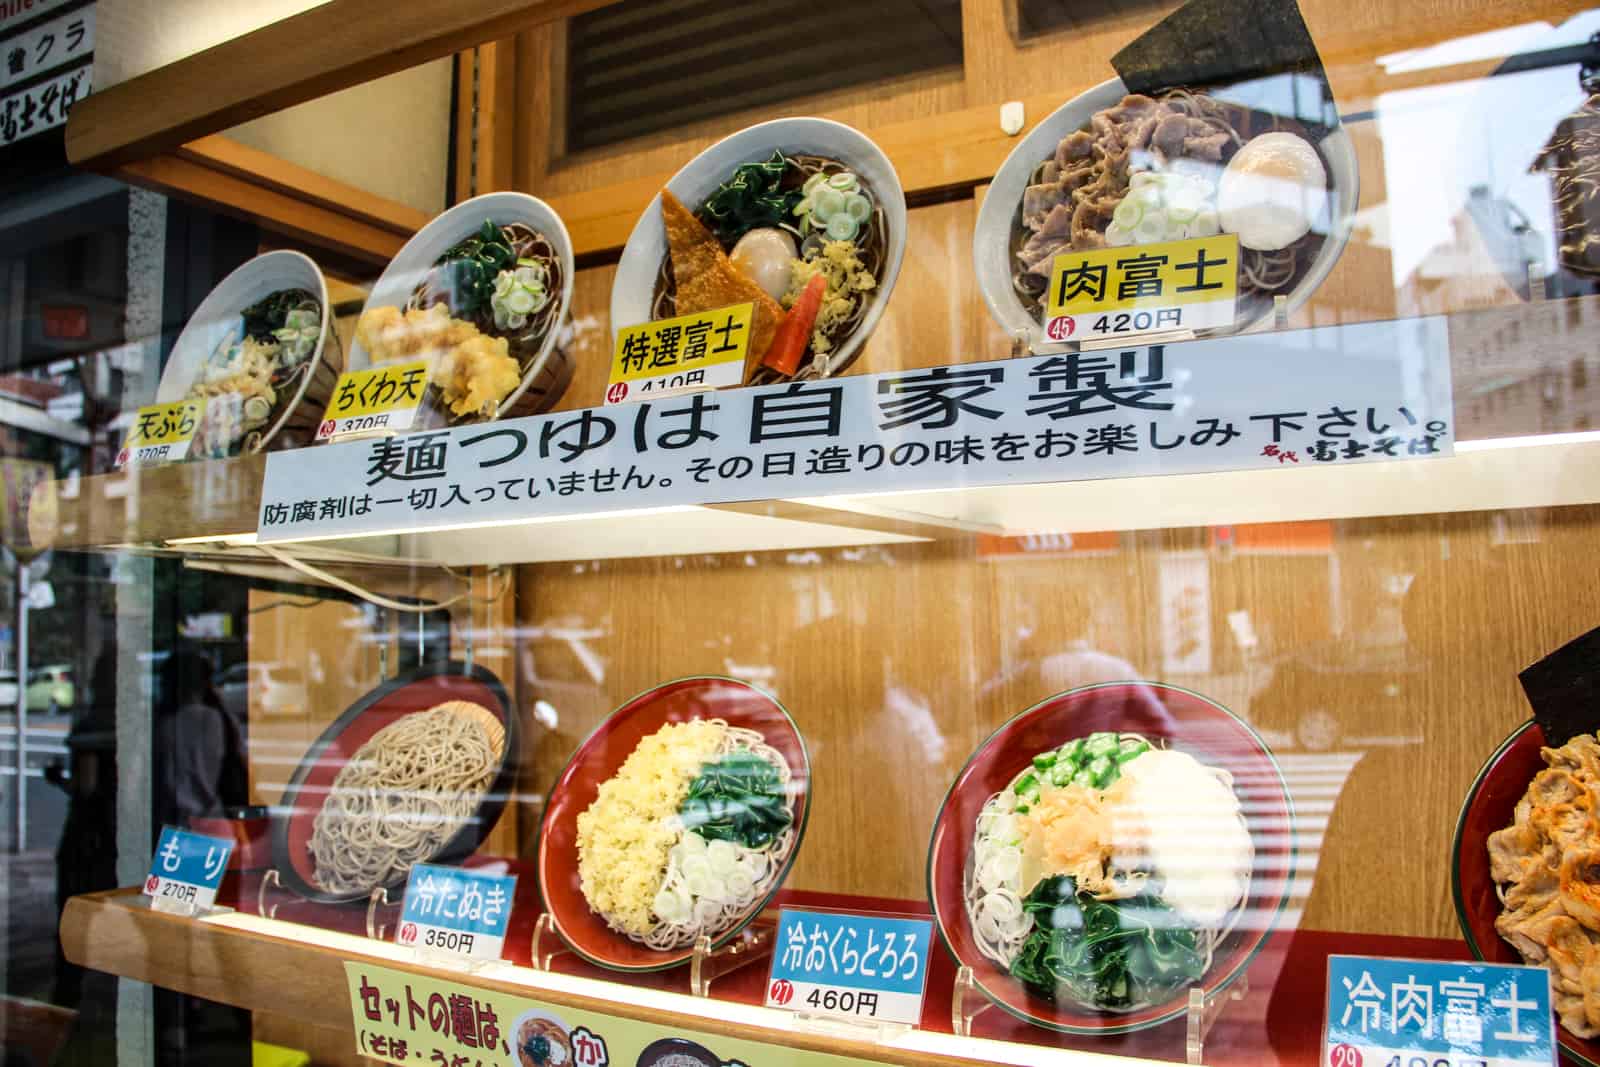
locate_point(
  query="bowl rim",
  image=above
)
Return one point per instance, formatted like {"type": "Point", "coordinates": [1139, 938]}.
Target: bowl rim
{"type": "Point", "coordinates": [449, 218]}
{"type": "Point", "coordinates": [264, 261]}
{"type": "Point", "coordinates": [682, 955]}
{"type": "Point", "coordinates": [1341, 224]}
{"type": "Point", "coordinates": [768, 135]}
{"type": "Point", "coordinates": [471, 834]}
{"type": "Point", "coordinates": [1180, 1002]}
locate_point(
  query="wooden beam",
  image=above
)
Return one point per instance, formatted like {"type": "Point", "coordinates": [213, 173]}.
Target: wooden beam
{"type": "Point", "coordinates": [327, 48]}
{"type": "Point", "coordinates": [262, 200]}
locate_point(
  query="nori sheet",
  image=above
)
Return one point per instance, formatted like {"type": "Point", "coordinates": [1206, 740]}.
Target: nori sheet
{"type": "Point", "coordinates": [1564, 689]}
{"type": "Point", "coordinates": [1210, 43]}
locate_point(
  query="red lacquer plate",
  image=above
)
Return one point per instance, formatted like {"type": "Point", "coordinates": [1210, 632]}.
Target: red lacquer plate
{"type": "Point", "coordinates": [419, 690]}
{"type": "Point", "coordinates": [1166, 715]}
{"type": "Point", "coordinates": [1490, 805]}
{"type": "Point", "coordinates": [598, 759]}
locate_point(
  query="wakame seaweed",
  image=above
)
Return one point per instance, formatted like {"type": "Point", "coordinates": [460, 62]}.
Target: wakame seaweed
{"type": "Point", "coordinates": [738, 798]}
{"type": "Point", "coordinates": [752, 198]}
{"type": "Point", "coordinates": [1105, 953]}
{"type": "Point", "coordinates": [268, 313]}
{"type": "Point", "coordinates": [472, 267]}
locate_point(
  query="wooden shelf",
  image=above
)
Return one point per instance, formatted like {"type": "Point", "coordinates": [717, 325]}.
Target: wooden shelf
{"type": "Point", "coordinates": [248, 961]}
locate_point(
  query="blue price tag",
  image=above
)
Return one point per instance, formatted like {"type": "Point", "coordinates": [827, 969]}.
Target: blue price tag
{"type": "Point", "coordinates": [855, 966]}
{"type": "Point", "coordinates": [455, 911]}
{"type": "Point", "coordinates": [1429, 1013]}
{"type": "Point", "coordinates": [186, 870]}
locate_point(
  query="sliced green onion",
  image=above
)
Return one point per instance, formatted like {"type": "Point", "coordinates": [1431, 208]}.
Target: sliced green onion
{"type": "Point", "coordinates": [841, 227]}
{"type": "Point", "coordinates": [844, 181]}
{"type": "Point", "coordinates": [1142, 178]}
{"type": "Point", "coordinates": [1127, 214]}
{"type": "Point", "coordinates": [1205, 224]}
{"type": "Point", "coordinates": [825, 203]}
{"type": "Point", "coordinates": [857, 207]}
{"type": "Point", "coordinates": [1149, 231]}
{"type": "Point", "coordinates": [812, 182]}
{"type": "Point", "coordinates": [1148, 197]}
{"type": "Point", "coordinates": [1118, 235]}
{"type": "Point", "coordinates": [1183, 205]}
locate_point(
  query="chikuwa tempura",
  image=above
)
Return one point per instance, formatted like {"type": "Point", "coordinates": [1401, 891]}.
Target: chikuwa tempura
{"type": "Point", "coordinates": [479, 317]}
{"type": "Point", "coordinates": [1107, 872]}
{"type": "Point", "coordinates": [694, 828]}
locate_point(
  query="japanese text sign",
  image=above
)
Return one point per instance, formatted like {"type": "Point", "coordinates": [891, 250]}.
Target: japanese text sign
{"type": "Point", "coordinates": [42, 105]}
{"type": "Point", "coordinates": [855, 966]}
{"type": "Point", "coordinates": [409, 1019]}
{"type": "Point", "coordinates": [161, 433]}
{"type": "Point", "coordinates": [1286, 400]}
{"type": "Point", "coordinates": [385, 397]}
{"type": "Point", "coordinates": [1139, 289]}
{"type": "Point", "coordinates": [1432, 1013]}
{"type": "Point", "coordinates": [682, 355]}
{"type": "Point", "coordinates": [186, 870]}
{"type": "Point", "coordinates": [452, 911]}
{"type": "Point", "coordinates": [47, 46]}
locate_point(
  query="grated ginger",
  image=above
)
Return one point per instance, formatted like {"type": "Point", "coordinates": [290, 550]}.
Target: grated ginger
{"type": "Point", "coordinates": [848, 279]}
{"type": "Point", "coordinates": [625, 835]}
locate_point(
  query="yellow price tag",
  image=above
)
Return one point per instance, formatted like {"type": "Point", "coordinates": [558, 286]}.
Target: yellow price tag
{"type": "Point", "coordinates": [385, 397]}
{"type": "Point", "coordinates": [1139, 289]}
{"type": "Point", "coordinates": [685, 354]}
{"type": "Point", "coordinates": [161, 433]}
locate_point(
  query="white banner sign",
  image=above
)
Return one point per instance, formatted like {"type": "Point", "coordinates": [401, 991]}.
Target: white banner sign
{"type": "Point", "coordinates": [42, 106]}
{"type": "Point", "coordinates": [64, 40]}
{"type": "Point", "coordinates": [16, 12]}
{"type": "Point", "coordinates": [1289, 400]}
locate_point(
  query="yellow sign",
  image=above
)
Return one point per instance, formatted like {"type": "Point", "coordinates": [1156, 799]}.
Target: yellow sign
{"type": "Point", "coordinates": [161, 433]}
{"type": "Point", "coordinates": [385, 397]}
{"type": "Point", "coordinates": [409, 1019]}
{"type": "Point", "coordinates": [1134, 289]}
{"type": "Point", "coordinates": [686, 354]}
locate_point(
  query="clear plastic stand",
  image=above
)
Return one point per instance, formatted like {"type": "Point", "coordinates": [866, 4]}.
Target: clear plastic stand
{"type": "Point", "coordinates": [1203, 1013]}
{"type": "Point", "coordinates": [184, 908]}
{"type": "Point", "coordinates": [378, 931]}
{"type": "Point", "coordinates": [755, 942]}
{"type": "Point", "coordinates": [547, 944]}
{"type": "Point", "coordinates": [967, 1002]}
{"type": "Point", "coordinates": [269, 882]}
{"type": "Point", "coordinates": [1280, 312]}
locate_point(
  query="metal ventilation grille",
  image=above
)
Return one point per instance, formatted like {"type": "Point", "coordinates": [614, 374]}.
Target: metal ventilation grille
{"type": "Point", "coordinates": [651, 65]}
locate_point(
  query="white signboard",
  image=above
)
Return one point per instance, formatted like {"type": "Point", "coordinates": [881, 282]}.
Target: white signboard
{"type": "Point", "coordinates": [1288, 400]}
{"type": "Point", "coordinates": [60, 42]}
{"type": "Point", "coordinates": [43, 105]}
{"type": "Point", "coordinates": [16, 12]}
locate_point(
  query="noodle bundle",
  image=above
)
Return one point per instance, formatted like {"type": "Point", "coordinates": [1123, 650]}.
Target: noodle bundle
{"type": "Point", "coordinates": [404, 795]}
{"type": "Point", "coordinates": [692, 831]}
{"type": "Point", "coordinates": [1107, 873]}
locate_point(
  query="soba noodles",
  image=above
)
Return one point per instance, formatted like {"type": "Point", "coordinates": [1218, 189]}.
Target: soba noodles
{"type": "Point", "coordinates": [799, 244]}
{"type": "Point", "coordinates": [1107, 873]}
{"type": "Point", "coordinates": [404, 795]}
{"type": "Point", "coordinates": [692, 831]}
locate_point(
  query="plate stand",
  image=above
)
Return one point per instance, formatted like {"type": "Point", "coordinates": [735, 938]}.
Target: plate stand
{"type": "Point", "coordinates": [271, 885]}
{"type": "Point", "coordinates": [185, 908]}
{"type": "Point", "coordinates": [377, 928]}
{"type": "Point", "coordinates": [546, 945]}
{"type": "Point", "coordinates": [967, 1002]}
{"type": "Point", "coordinates": [1203, 1014]}
{"type": "Point", "coordinates": [753, 943]}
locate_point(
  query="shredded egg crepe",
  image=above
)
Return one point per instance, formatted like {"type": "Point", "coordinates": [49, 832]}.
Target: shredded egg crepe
{"type": "Point", "coordinates": [626, 834]}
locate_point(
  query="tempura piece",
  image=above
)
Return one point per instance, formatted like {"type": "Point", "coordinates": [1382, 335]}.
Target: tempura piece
{"type": "Point", "coordinates": [707, 279]}
{"type": "Point", "coordinates": [473, 371]}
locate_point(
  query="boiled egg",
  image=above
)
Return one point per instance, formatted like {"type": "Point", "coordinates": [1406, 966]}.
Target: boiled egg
{"type": "Point", "coordinates": [765, 256]}
{"type": "Point", "coordinates": [1272, 191]}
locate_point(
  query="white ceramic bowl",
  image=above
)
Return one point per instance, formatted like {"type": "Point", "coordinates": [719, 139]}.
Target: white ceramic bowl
{"type": "Point", "coordinates": [550, 370]}
{"type": "Point", "coordinates": [218, 316]}
{"type": "Point", "coordinates": [991, 243]}
{"type": "Point", "coordinates": [635, 282]}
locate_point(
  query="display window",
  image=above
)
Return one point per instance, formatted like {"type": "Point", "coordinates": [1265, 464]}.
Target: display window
{"type": "Point", "coordinates": [688, 534]}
